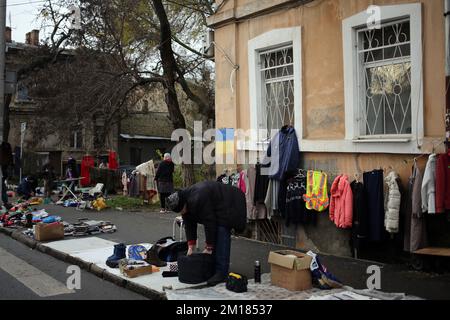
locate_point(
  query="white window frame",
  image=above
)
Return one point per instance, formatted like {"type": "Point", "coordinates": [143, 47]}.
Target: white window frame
{"type": "Point", "coordinates": [400, 143]}
{"type": "Point", "coordinates": [274, 39]}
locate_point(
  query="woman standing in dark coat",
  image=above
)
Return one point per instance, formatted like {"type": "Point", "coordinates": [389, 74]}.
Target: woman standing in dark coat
{"type": "Point", "coordinates": [219, 208]}
{"type": "Point", "coordinates": [164, 180]}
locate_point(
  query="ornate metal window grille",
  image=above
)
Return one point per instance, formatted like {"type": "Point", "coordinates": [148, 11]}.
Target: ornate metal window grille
{"type": "Point", "coordinates": [385, 79]}
{"type": "Point", "coordinates": [277, 78]}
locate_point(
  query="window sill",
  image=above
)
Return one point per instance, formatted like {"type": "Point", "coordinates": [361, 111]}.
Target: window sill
{"type": "Point", "coordinates": [398, 140]}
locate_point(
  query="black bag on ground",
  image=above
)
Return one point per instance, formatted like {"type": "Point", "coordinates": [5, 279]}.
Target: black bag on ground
{"type": "Point", "coordinates": [196, 268]}
{"type": "Point", "coordinates": [170, 250]}
{"type": "Point", "coordinates": [237, 283]}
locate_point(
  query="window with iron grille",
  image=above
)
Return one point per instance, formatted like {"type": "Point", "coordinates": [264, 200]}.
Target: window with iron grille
{"type": "Point", "coordinates": [384, 80]}
{"type": "Point", "coordinates": [277, 92]}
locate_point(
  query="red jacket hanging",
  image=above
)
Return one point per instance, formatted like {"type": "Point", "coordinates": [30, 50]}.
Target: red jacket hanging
{"type": "Point", "coordinates": [443, 183]}
{"type": "Point", "coordinates": [112, 161]}
{"type": "Point", "coordinates": [86, 163]}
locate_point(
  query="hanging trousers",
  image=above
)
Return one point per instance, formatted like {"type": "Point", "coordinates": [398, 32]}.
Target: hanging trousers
{"type": "Point", "coordinates": [373, 183]}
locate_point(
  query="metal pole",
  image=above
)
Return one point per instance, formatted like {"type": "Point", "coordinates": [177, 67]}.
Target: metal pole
{"type": "Point", "coordinates": [447, 37]}
{"type": "Point", "coordinates": [2, 76]}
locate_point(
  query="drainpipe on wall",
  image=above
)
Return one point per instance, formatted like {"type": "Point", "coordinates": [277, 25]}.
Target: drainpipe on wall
{"type": "Point", "coordinates": [447, 64]}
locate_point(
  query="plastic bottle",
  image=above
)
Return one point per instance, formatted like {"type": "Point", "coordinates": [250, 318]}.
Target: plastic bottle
{"type": "Point", "coordinates": [257, 272]}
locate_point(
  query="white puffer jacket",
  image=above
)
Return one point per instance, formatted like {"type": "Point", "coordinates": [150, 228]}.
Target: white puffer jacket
{"type": "Point", "coordinates": [393, 200]}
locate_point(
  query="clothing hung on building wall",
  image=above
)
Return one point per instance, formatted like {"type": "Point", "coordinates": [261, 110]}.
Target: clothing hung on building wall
{"type": "Point", "coordinates": [261, 185]}
{"type": "Point", "coordinates": [392, 203]}
{"type": "Point", "coordinates": [415, 236]}
{"type": "Point", "coordinates": [443, 183]}
{"type": "Point", "coordinates": [296, 212]}
{"type": "Point", "coordinates": [373, 185]}
{"type": "Point", "coordinates": [283, 153]}
{"type": "Point", "coordinates": [360, 230]}
{"type": "Point", "coordinates": [316, 196]}
{"type": "Point", "coordinates": [254, 211]}
{"type": "Point", "coordinates": [341, 203]}
{"type": "Point", "coordinates": [429, 186]}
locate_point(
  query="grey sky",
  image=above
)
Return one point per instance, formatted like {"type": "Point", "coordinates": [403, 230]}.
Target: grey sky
{"type": "Point", "coordinates": [21, 15]}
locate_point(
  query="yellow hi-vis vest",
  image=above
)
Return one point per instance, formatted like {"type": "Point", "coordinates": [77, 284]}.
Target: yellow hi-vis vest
{"type": "Point", "coordinates": [316, 196]}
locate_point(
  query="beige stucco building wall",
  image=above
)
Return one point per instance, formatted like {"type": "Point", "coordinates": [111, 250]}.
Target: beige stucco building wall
{"type": "Point", "coordinates": [323, 76]}
{"type": "Point", "coordinates": [323, 72]}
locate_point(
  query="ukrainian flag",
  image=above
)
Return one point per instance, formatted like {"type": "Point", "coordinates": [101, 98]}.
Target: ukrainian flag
{"type": "Point", "coordinates": [225, 141]}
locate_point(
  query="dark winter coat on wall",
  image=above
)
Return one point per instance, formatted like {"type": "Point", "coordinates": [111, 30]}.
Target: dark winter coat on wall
{"type": "Point", "coordinates": [284, 148]}
{"type": "Point", "coordinates": [213, 204]}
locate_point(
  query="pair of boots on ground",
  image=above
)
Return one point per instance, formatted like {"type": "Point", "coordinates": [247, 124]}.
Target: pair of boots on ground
{"type": "Point", "coordinates": [120, 253]}
{"type": "Point", "coordinates": [153, 259]}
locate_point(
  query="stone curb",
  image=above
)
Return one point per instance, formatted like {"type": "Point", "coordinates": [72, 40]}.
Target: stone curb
{"type": "Point", "coordinates": [6, 231]}
{"type": "Point", "coordinates": [90, 267]}
{"type": "Point", "coordinates": [19, 236]}
{"type": "Point", "coordinates": [151, 294]}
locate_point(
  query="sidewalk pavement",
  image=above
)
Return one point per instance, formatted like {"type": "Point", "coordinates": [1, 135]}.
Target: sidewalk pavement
{"type": "Point", "coordinates": [148, 227]}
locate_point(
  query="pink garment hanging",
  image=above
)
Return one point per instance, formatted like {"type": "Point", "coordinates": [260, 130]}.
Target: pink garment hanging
{"type": "Point", "coordinates": [241, 182]}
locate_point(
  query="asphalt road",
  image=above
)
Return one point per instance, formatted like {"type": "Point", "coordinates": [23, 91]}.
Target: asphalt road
{"type": "Point", "coordinates": [27, 274]}
{"type": "Point", "coordinates": [141, 227]}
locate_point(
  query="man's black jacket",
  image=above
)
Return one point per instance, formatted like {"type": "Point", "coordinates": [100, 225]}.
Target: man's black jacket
{"type": "Point", "coordinates": [213, 204]}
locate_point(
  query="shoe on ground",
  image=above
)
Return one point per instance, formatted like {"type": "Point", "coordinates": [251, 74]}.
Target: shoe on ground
{"type": "Point", "coordinates": [216, 279]}
{"type": "Point", "coordinates": [153, 259]}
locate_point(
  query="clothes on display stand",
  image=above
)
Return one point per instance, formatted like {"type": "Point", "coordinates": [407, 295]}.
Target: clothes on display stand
{"type": "Point", "coordinates": [86, 163]}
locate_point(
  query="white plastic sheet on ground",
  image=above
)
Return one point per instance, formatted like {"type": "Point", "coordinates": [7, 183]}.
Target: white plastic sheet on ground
{"type": "Point", "coordinates": [265, 291]}
{"type": "Point", "coordinates": [96, 250]}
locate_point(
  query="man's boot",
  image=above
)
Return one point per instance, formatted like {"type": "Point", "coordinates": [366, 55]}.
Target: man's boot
{"type": "Point", "coordinates": [119, 253]}
{"type": "Point", "coordinates": [153, 259]}
{"type": "Point", "coordinates": [217, 278]}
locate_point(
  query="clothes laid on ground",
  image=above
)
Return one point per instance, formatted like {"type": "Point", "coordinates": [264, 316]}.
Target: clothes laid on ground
{"type": "Point", "coordinates": [443, 183]}
{"type": "Point", "coordinates": [373, 184]}
{"type": "Point", "coordinates": [360, 230]}
{"type": "Point", "coordinates": [316, 196]}
{"type": "Point", "coordinates": [284, 153]}
{"type": "Point", "coordinates": [429, 186]}
{"type": "Point", "coordinates": [393, 201]}
{"type": "Point", "coordinates": [341, 203]}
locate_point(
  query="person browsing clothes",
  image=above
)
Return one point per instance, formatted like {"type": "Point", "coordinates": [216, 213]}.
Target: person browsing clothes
{"type": "Point", "coordinates": [164, 180]}
{"type": "Point", "coordinates": [219, 208]}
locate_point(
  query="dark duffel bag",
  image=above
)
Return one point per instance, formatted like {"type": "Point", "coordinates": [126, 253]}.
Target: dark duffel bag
{"type": "Point", "coordinates": [196, 268]}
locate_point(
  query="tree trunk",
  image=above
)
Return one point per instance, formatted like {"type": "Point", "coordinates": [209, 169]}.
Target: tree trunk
{"type": "Point", "coordinates": [169, 73]}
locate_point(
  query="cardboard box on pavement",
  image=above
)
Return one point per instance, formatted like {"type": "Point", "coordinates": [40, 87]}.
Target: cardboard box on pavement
{"type": "Point", "coordinates": [291, 270]}
{"type": "Point", "coordinates": [48, 232]}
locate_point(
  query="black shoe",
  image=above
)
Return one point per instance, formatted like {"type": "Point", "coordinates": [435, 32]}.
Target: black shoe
{"type": "Point", "coordinates": [216, 279]}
